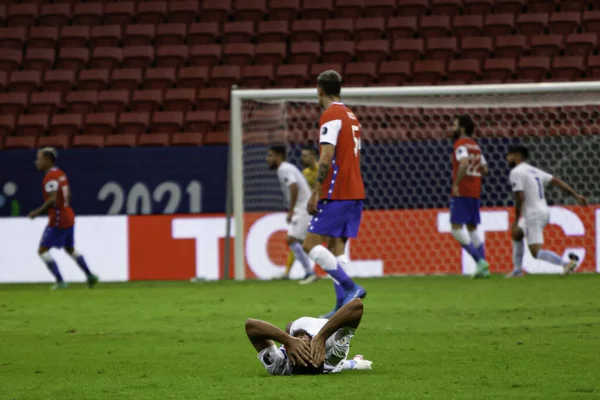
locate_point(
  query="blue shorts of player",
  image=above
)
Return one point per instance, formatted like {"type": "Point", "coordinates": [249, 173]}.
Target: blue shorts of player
{"type": "Point", "coordinates": [58, 237]}
{"type": "Point", "coordinates": [465, 211]}
{"type": "Point", "coordinates": [337, 218]}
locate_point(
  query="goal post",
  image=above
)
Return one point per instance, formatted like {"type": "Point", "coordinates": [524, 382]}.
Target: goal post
{"type": "Point", "coordinates": [406, 135]}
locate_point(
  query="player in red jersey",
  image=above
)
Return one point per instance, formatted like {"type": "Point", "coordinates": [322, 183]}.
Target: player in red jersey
{"type": "Point", "coordinates": [61, 218]}
{"type": "Point", "coordinates": [468, 165]}
{"type": "Point", "coordinates": [337, 199]}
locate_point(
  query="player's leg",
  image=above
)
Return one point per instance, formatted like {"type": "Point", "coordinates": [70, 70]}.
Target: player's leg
{"type": "Point", "coordinates": [460, 216]}
{"type": "Point", "coordinates": [288, 264]}
{"type": "Point", "coordinates": [69, 246]}
{"type": "Point", "coordinates": [337, 246]}
{"type": "Point", "coordinates": [535, 239]}
{"type": "Point", "coordinates": [50, 238]}
{"type": "Point", "coordinates": [518, 237]}
{"type": "Point", "coordinates": [296, 234]}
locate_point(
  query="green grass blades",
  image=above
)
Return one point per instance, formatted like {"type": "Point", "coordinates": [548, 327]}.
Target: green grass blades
{"type": "Point", "coordinates": [436, 337]}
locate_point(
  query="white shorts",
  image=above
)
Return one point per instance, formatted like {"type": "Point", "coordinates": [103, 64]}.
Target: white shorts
{"type": "Point", "coordinates": [533, 227]}
{"type": "Point", "coordinates": [299, 226]}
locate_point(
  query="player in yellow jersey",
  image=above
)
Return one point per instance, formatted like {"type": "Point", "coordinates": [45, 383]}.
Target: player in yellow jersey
{"type": "Point", "coordinates": [308, 159]}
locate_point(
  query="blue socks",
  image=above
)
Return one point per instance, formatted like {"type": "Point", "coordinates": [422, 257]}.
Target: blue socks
{"type": "Point", "coordinates": [53, 268]}
{"type": "Point", "coordinates": [340, 293]}
{"type": "Point", "coordinates": [83, 265]}
{"type": "Point", "coordinates": [340, 276]}
{"type": "Point", "coordinates": [472, 251]}
{"type": "Point", "coordinates": [481, 251]}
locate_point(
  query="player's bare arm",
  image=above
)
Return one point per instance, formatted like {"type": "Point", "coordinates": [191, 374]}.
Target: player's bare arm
{"type": "Point", "coordinates": [347, 316]}
{"type": "Point", "coordinates": [293, 199]}
{"type": "Point", "coordinates": [51, 202]}
{"type": "Point", "coordinates": [263, 334]}
{"type": "Point", "coordinates": [463, 165]}
{"type": "Point", "coordinates": [327, 152]}
{"type": "Point", "coordinates": [484, 170]}
{"type": "Point", "coordinates": [562, 185]}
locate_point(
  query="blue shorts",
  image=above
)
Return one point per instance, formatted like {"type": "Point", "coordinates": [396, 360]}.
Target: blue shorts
{"type": "Point", "coordinates": [465, 211]}
{"type": "Point", "coordinates": [337, 218]}
{"type": "Point", "coordinates": [58, 237]}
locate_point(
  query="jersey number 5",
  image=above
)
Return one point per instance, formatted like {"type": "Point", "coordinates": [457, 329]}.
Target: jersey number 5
{"type": "Point", "coordinates": [474, 168]}
{"type": "Point", "coordinates": [355, 129]}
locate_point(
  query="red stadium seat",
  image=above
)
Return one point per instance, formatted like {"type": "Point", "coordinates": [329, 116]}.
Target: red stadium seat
{"type": "Point", "coordinates": [66, 124]}
{"type": "Point", "coordinates": [533, 68]}
{"type": "Point", "coordinates": [291, 76]}
{"type": "Point", "coordinates": [3, 80]}
{"type": "Point", "coordinates": [369, 28]}
{"type": "Point", "coordinates": [274, 53]}
{"type": "Point", "coordinates": [593, 68]}
{"type": "Point", "coordinates": [183, 12]}
{"type": "Point", "coordinates": [72, 58]}
{"type": "Point", "coordinates": [81, 102]}
{"type": "Point", "coordinates": [374, 51]}
{"type": "Point", "coordinates": [306, 30]}
{"type": "Point", "coordinates": [192, 77]}
{"type": "Point", "coordinates": [139, 34]}
{"type": "Point", "coordinates": [18, 142]}
{"type": "Point", "coordinates": [564, 23]}
{"type": "Point", "coordinates": [59, 142]}
{"type": "Point", "coordinates": [55, 15]}
{"type": "Point", "coordinates": [574, 5]}
{"type": "Point", "coordinates": [500, 70]}
{"type": "Point", "coordinates": [126, 78]}
{"type": "Point", "coordinates": [138, 56]}
{"type": "Point", "coordinates": [394, 72]}
{"type": "Point", "coordinates": [213, 99]}
{"type": "Point", "coordinates": [151, 12]}
{"type": "Point", "coordinates": [316, 9]}
{"type": "Point", "coordinates": [106, 57]}
{"type": "Point", "coordinates": [446, 7]}
{"type": "Point", "coordinates": [338, 29]}
{"type": "Point", "coordinates": [283, 9]}
{"type": "Point", "coordinates": [124, 140]}
{"type": "Point", "coordinates": [204, 33]}
{"type": "Point", "coordinates": [238, 54]}
{"type": "Point", "coordinates": [120, 13]}
{"type": "Point", "coordinates": [360, 74]}
{"type": "Point", "coordinates": [171, 56]}
{"type": "Point", "coordinates": [10, 59]}
{"type": "Point", "coordinates": [38, 59]}
{"type": "Point", "coordinates": [272, 31]}
{"type": "Point", "coordinates": [441, 49]}
{"type": "Point", "coordinates": [31, 124]}
{"type": "Point", "coordinates": [381, 8]}
{"type": "Point", "coordinates": [581, 44]}
{"type": "Point", "coordinates": [223, 121]}
{"type": "Point", "coordinates": [429, 71]}
{"type": "Point", "coordinates": [467, 25]}
{"type": "Point", "coordinates": [170, 34]}
{"type": "Point", "coordinates": [542, 6]}
{"type": "Point", "coordinates": [205, 55]}
{"type": "Point", "coordinates": [567, 68]}
{"type": "Point", "coordinates": [12, 38]}
{"type": "Point", "coordinates": [88, 141]}
{"type": "Point", "coordinates": [105, 36]}
{"type": "Point", "coordinates": [74, 36]}
{"type": "Point", "coordinates": [200, 121]}
{"type": "Point", "coordinates": [154, 140]}
{"type": "Point", "coordinates": [25, 81]}
{"type": "Point", "coordinates": [112, 101]}
{"type": "Point", "coordinates": [167, 121]}
{"type": "Point", "coordinates": [532, 24]}
{"type": "Point", "coordinates": [464, 71]}
{"type": "Point", "coordinates": [93, 79]}
{"type": "Point", "coordinates": [146, 100]}
{"type": "Point", "coordinates": [546, 45]}
{"type": "Point", "coordinates": [22, 14]}
{"type": "Point", "coordinates": [60, 80]}
{"type": "Point", "coordinates": [160, 78]}
{"type": "Point", "coordinates": [44, 37]}
{"type": "Point", "coordinates": [407, 49]}
{"type": "Point", "coordinates": [225, 76]}
{"type": "Point", "coordinates": [316, 69]}
{"type": "Point", "coordinates": [338, 52]}
{"type": "Point", "coordinates": [7, 125]}
{"type": "Point", "coordinates": [215, 10]}
{"type": "Point", "coordinates": [257, 76]}
{"type": "Point", "coordinates": [187, 139]}
{"type": "Point", "coordinates": [179, 99]}
{"type": "Point", "coordinates": [498, 24]}
{"type": "Point", "coordinates": [216, 138]}
{"type": "Point", "coordinates": [477, 7]}
{"type": "Point", "coordinates": [13, 103]}
{"type": "Point", "coordinates": [350, 9]}
{"type": "Point", "coordinates": [87, 14]}
{"type": "Point", "coordinates": [509, 46]}
{"type": "Point", "coordinates": [237, 32]}
{"type": "Point", "coordinates": [591, 21]}
{"type": "Point", "coordinates": [44, 102]}
{"type": "Point", "coordinates": [434, 26]}
{"type": "Point", "coordinates": [401, 27]}
{"type": "Point", "coordinates": [514, 7]}
{"type": "Point", "coordinates": [250, 10]}
{"type": "Point", "coordinates": [133, 122]}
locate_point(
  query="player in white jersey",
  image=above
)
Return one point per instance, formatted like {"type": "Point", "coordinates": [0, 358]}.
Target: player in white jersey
{"type": "Point", "coordinates": [310, 345]}
{"type": "Point", "coordinates": [531, 209]}
{"type": "Point", "coordinates": [296, 193]}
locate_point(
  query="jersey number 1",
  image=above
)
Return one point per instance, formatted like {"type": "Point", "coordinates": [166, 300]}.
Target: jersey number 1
{"type": "Point", "coordinates": [355, 129]}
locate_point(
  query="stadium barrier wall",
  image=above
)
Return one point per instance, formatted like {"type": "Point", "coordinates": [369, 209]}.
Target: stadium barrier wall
{"type": "Point", "coordinates": [178, 247]}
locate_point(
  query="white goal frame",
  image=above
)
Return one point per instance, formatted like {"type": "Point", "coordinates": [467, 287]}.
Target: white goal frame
{"type": "Point", "coordinates": [236, 161]}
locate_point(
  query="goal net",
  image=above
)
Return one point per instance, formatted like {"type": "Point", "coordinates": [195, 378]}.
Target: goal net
{"type": "Point", "coordinates": [406, 150]}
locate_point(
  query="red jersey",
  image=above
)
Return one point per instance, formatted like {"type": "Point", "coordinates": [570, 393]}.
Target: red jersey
{"type": "Point", "coordinates": [466, 148]}
{"type": "Point", "coordinates": [338, 126]}
{"type": "Point", "coordinates": [61, 215]}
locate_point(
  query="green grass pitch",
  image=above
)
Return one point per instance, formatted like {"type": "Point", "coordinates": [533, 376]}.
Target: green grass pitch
{"type": "Point", "coordinates": [434, 337]}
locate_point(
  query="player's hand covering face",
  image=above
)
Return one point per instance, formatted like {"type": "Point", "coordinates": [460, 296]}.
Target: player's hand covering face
{"type": "Point", "coordinates": [317, 351]}
{"type": "Point", "coordinates": [298, 351]}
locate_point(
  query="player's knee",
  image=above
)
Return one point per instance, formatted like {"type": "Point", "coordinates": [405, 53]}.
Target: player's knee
{"type": "Point", "coordinates": [43, 250]}
{"type": "Point", "coordinates": [70, 250]}
{"type": "Point", "coordinates": [534, 250]}
{"type": "Point", "coordinates": [291, 240]}
{"type": "Point", "coordinates": [517, 236]}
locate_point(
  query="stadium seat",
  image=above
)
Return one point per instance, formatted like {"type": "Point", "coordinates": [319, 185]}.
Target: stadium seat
{"type": "Point", "coordinates": [7, 125]}
{"type": "Point", "coordinates": [82, 102]}
{"type": "Point", "coordinates": [467, 25]}
{"type": "Point", "coordinates": [216, 138]}
{"type": "Point", "coordinates": [87, 14]}
{"type": "Point", "coordinates": [510, 46]}
{"type": "Point", "coordinates": [283, 9]}
{"type": "Point", "coordinates": [401, 27]}
{"type": "Point", "coordinates": [223, 121]}
{"type": "Point", "coordinates": [309, 30]}
{"type": "Point", "coordinates": [44, 37]}
{"type": "Point", "coordinates": [139, 35]}
{"type": "Point", "coordinates": [54, 15]}
{"type": "Point", "coordinates": [10, 59]}
{"type": "Point", "coordinates": [31, 124]}
{"type": "Point", "coordinates": [133, 122]}
{"type": "Point", "coordinates": [124, 140]}
{"type": "Point", "coordinates": [126, 78]}
{"type": "Point", "coordinates": [567, 68]}
{"type": "Point", "coordinates": [338, 52]}
{"type": "Point", "coordinates": [369, 29]}
{"type": "Point", "coordinates": [138, 56]}
{"type": "Point", "coordinates": [106, 57]}
{"type": "Point", "coordinates": [205, 55]}
{"type": "Point", "coordinates": [3, 80]}
{"type": "Point", "coordinates": [591, 21]}
{"type": "Point", "coordinates": [18, 142]}
{"type": "Point", "coordinates": [581, 44]}
{"type": "Point", "coordinates": [120, 13]}
{"type": "Point", "coordinates": [213, 99]}
{"type": "Point", "coordinates": [407, 49]}
{"type": "Point", "coordinates": [532, 24]}
{"type": "Point", "coordinates": [66, 124]}
{"type": "Point", "coordinates": [574, 5]}
{"type": "Point", "coordinates": [514, 7]}
{"type": "Point", "coordinates": [192, 77]}
{"type": "Point", "coordinates": [593, 69]}
{"type": "Point", "coordinates": [338, 29]}
{"type": "Point", "coordinates": [250, 10]}
{"type": "Point", "coordinates": [272, 31]}
{"type": "Point", "coordinates": [13, 103]}
{"type": "Point", "coordinates": [316, 9]}
{"type": "Point", "coordinates": [394, 72]}
{"type": "Point", "coordinates": [58, 141]}
{"type": "Point", "coordinates": [381, 8]}
{"type": "Point", "coordinates": [542, 6]}
{"type": "Point", "coordinates": [25, 81]}
{"type": "Point", "coordinates": [170, 34]}
{"type": "Point", "coordinates": [204, 33]}
{"type": "Point", "coordinates": [316, 69]}
{"type": "Point", "coordinates": [374, 51]}
{"type": "Point", "coordinates": [546, 45]}
{"type": "Point", "coordinates": [464, 71]}
{"type": "Point", "coordinates": [187, 139]}
{"type": "Point", "coordinates": [501, 70]}
{"type": "Point", "coordinates": [93, 79]}
{"type": "Point", "coordinates": [498, 24]}
{"type": "Point", "coordinates": [179, 99]}
{"type": "Point", "coordinates": [274, 53]}
{"type": "Point", "coordinates": [154, 140]}
{"type": "Point", "coordinates": [22, 14]}
{"type": "Point", "coordinates": [446, 7]}
{"type": "Point", "coordinates": [350, 9]}
{"type": "Point", "coordinates": [441, 49]}
{"type": "Point", "coordinates": [60, 80]}
{"type": "Point", "coordinates": [225, 76]}
{"type": "Point", "coordinates": [237, 32]}
{"type": "Point", "coordinates": [160, 78]}
{"type": "Point", "coordinates": [112, 101]}
{"type": "Point", "coordinates": [200, 121]}
{"type": "Point", "coordinates": [360, 74]}
{"type": "Point", "coordinates": [74, 36]}
{"type": "Point", "coordinates": [44, 102]}
{"type": "Point", "coordinates": [183, 12]}
{"type": "Point", "coordinates": [434, 26]}
{"type": "Point", "coordinates": [292, 76]}
{"type": "Point", "coordinates": [564, 23]}
{"type": "Point", "coordinates": [215, 10]}
{"type": "Point", "coordinates": [146, 100]}
{"type": "Point", "coordinates": [171, 56]}
{"type": "Point", "coordinates": [151, 12]}
{"type": "Point", "coordinates": [257, 76]}
{"type": "Point", "coordinates": [12, 38]}
{"type": "Point", "coordinates": [167, 121]}
{"type": "Point", "coordinates": [38, 59]}
{"type": "Point", "coordinates": [238, 54]}
{"type": "Point", "coordinates": [429, 72]}
{"type": "Point", "coordinates": [73, 58]}
{"type": "Point", "coordinates": [105, 36]}
{"type": "Point", "coordinates": [477, 7]}
{"type": "Point", "coordinates": [305, 53]}
{"type": "Point", "coordinates": [533, 68]}
{"type": "Point", "coordinates": [88, 141]}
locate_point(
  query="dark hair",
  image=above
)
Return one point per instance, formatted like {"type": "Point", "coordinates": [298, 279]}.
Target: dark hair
{"type": "Point", "coordinates": [308, 370]}
{"type": "Point", "coordinates": [49, 152]}
{"type": "Point", "coordinates": [465, 121]}
{"type": "Point", "coordinates": [279, 149]}
{"type": "Point", "coordinates": [312, 149]}
{"type": "Point", "coordinates": [519, 149]}
{"type": "Point", "coordinates": [330, 82]}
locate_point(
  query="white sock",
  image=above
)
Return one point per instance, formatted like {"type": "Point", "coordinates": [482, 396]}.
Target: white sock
{"type": "Point", "coordinates": [74, 255]}
{"type": "Point", "coordinates": [320, 255]}
{"type": "Point", "coordinates": [342, 260]}
{"type": "Point", "coordinates": [348, 364]}
{"type": "Point", "coordinates": [551, 257]}
{"type": "Point", "coordinates": [46, 257]}
{"type": "Point", "coordinates": [461, 236]}
{"type": "Point", "coordinates": [475, 238]}
{"type": "Point", "coordinates": [518, 253]}
{"type": "Point", "coordinates": [301, 256]}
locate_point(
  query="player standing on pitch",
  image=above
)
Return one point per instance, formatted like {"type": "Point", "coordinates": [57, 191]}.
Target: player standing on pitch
{"type": "Point", "coordinates": [531, 211]}
{"type": "Point", "coordinates": [61, 218]}
{"type": "Point", "coordinates": [337, 198]}
{"type": "Point", "coordinates": [468, 164]}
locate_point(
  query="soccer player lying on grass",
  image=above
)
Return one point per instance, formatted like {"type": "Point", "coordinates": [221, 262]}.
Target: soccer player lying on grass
{"type": "Point", "coordinates": [310, 346]}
